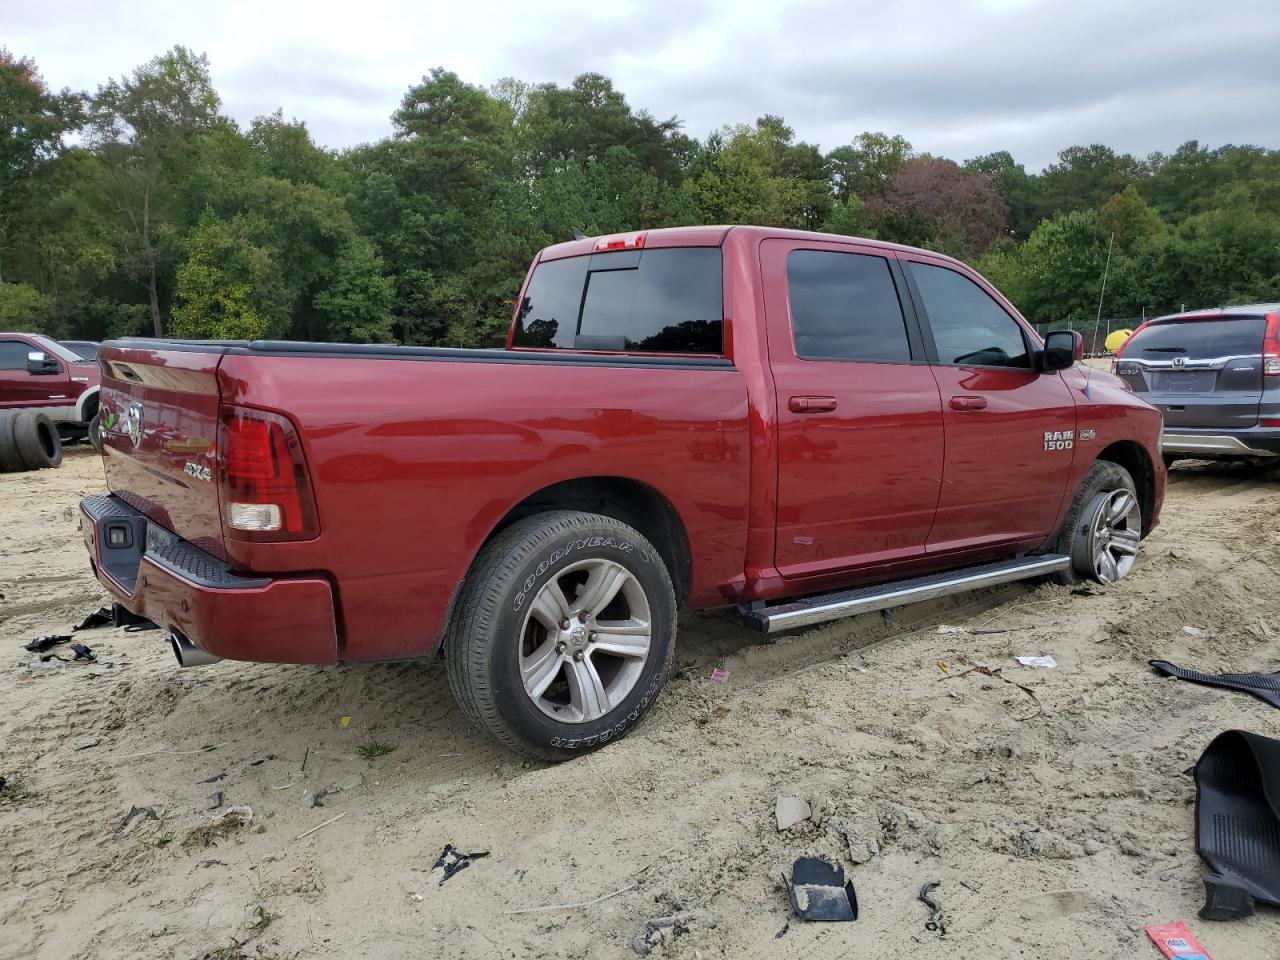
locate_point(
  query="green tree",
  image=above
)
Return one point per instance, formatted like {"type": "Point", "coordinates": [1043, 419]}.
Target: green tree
{"type": "Point", "coordinates": [1130, 219]}
{"type": "Point", "coordinates": [864, 167]}
{"type": "Point", "coordinates": [1056, 276]}
{"type": "Point", "coordinates": [934, 203]}
{"type": "Point", "coordinates": [22, 307]}
{"type": "Point", "coordinates": [142, 130]}
{"type": "Point", "coordinates": [1018, 190]}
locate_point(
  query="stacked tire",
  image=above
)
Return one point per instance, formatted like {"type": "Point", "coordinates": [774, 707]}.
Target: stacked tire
{"type": "Point", "coordinates": [28, 441]}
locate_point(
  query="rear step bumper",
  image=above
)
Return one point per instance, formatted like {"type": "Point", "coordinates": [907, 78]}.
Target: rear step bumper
{"type": "Point", "coordinates": [848, 603]}
{"type": "Point", "coordinates": [1222, 444]}
{"type": "Point", "coordinates": [194, 596]}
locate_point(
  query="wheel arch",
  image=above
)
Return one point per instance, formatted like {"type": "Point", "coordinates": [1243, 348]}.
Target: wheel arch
{"type": "Point", "coordinates": [1133, 457]}
{"type": "Point", "coordinates": [87, 405]}
{"type": "Point", "coordinates": [633, 502]}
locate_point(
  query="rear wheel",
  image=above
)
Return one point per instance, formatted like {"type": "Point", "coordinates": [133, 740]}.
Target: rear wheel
{"type": "Point", "coordinates": [37, 440]}
{"type": "Point", "coordinates": [1103, 531]}
{"type": "Point", "coordinates": [563, 634]}
{"type": "Point", "coordinates": [95, 432]}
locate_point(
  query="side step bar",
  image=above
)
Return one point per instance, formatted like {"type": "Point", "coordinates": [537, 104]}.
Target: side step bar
{"type": "Point", "coordinates": [847, 603]}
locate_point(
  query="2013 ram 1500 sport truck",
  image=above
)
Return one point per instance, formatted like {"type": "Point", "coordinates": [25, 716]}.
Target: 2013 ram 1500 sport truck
{"type": "Point", "coordinates": [791, 425]}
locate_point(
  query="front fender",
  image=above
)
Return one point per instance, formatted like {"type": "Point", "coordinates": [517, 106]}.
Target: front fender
{"type": "Point", "coordinates": [87, 401]}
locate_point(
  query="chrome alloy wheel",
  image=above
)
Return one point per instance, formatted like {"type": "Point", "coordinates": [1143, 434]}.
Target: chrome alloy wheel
{"type": "Point", "coordinates": [585, 641]}
{"type": "Point", "coordinates": [1114, 532]}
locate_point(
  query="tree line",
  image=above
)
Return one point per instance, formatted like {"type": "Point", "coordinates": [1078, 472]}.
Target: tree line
{"type": "Point", "coordinates": [140, 208]}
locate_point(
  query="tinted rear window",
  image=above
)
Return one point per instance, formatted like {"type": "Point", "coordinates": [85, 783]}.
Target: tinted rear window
{"type": "Point", "coordinates": [1199, 339]}
{"type": "Point", "coordinates": [649, 301]}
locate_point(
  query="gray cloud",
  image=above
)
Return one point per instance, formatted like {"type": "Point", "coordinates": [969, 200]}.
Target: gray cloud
{"type": "Point", "coordinates": [956, 78]}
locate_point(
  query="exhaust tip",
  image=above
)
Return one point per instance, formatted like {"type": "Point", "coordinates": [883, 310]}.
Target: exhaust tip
{"type": "Point", "coordinates": [188, 654]}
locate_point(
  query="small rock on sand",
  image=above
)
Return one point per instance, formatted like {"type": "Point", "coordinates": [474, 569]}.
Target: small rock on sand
{"type": "Point", "coordinates": [790, 811]}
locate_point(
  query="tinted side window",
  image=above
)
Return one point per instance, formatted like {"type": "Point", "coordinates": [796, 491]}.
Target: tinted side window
{"type": "Point", "coordinates": [844, 306]}
{"type": "Point", "coordinates": [549, 311]}
{"type": "Point", "coordinates": [661, 301]}
{"type": "Point", "coordinates": [13, 354]}
{"type": "Point", "coordinates": [969, 328]}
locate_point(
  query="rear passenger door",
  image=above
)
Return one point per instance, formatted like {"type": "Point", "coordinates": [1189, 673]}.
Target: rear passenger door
{"type": "Point", "coordinates": [1007, 425]}
{"type": "Point", "coordinates": [859, 418]}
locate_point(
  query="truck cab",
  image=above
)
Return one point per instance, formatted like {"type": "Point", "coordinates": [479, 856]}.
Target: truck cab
{"type": "Point", "coordinates": [40, 375]}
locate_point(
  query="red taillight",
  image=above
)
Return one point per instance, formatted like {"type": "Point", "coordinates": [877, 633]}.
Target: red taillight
{"type": "Point", "coordinates": [266, 493]}
{"type": "Point", "coordinates": [625, 241]}
{"type": "Point", "coordinates": [1271, 346]}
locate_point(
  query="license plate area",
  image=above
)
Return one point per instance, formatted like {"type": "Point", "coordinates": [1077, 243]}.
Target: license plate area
{"type": "Point", "coordinates": [1185, 381]}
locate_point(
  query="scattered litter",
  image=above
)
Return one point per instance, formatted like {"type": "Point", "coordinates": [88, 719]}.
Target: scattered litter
{"type": "Point", "coordinates": [215, 800]}
{"type": "Point", "coordinates": [453, 860]}
{"type": "Point", "coordinates": [719, 675]}
{"type": "Point", "coordinates": [243, 813]}
{"type": "Point", "coordinates": [41, 644]}
{"type": "Point", "coordinates": [317, 798]}
{"type": "Point", "coordinates": [261, 760]}
{"type": "Point", "coordinates": [997, 675]}
{"type": "Point", "coordinates": [415, 896]}
{"type": "Point", "coordinates": [146, 813]}
{"type": "Point", "coordinates": [86, 744]}
{"type": "Point", "coordinates": [791, 810]}
{"type": "Point", "coordinates": [319, 826]}
{"type": "Point", "coordinates": [1238, 823]}
{"type": "Point", "coordinates": [942, 666]}
{"type": "Point", "coordinates": [658, 931]}
{"type": "Point", "coordinates": [786, 928]}
{"type": "Point", "coordinates": [936, 922]}
{"type": "Point", "coordinates": [1045, 661]}
{"type": "Point", "coordinates": [82, 652]}
{"type": "Point", "coordinates": [215, 778]}
{"type": "Point", "coordinates": [1176, 942]}
{"type": "Point", "coordinates": [177, 753]}
{"type": "Point", "coordinates": [569, 906]}
{"type": "Point", "coordinates": [949, 628]}
{"type": "Point", "coordinates": [1264, 686]}
{"type": "Point", "coordinates": [100, 618]}
{"type": "Point", "coordinates": [344, 721]}
{"type": "Point", "coordinates": [819, 891]}
{"type": "Point", "coordinates": [1191, 631]}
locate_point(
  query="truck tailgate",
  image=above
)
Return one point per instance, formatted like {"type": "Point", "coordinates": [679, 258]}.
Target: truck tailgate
{"type": "Point", "coordinates": [159, 433]}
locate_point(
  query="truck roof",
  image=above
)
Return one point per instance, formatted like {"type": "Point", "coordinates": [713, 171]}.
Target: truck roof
{"type": "Point", "coordinates": [714, 236]}
{"type": "Point", "coordinates": [1241, 310]}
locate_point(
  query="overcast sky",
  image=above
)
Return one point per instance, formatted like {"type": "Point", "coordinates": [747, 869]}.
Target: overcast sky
{"type": "Point", "coordinates": [956, 77]}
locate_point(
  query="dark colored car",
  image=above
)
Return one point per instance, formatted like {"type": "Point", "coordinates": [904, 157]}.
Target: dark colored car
{"type": "Point", "coordinates": [794, 426]}
{"type": "Point", "coordinates": [1215, 375]}
{"type": "Point", "coordinates": [86, 348]}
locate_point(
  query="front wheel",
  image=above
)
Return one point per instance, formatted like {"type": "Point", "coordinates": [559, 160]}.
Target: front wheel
{"type": "Point", "coordinates": [1103, 531]}
{"type": "Point", "coordinates": [563, 634]}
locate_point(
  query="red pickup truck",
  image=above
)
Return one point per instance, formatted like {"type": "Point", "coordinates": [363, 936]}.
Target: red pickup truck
{"type": "Point", "coordinates": [794, 426]}
{"type": "Point", "coordinates": [40, 375]}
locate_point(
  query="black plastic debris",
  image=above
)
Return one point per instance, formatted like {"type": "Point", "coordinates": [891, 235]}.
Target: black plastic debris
{"type": "Point", "coordinates": [215, 778]}
{"type": "Point", "coordinates": [1264, 686]}
{"type": "Point", "coordinates": [1238, 823]}
{"type": "Point", "coordinates": [819, 891]}
{"type": "Point", "coordinates": [100, 618]}
{"type": "Point", "coordinates": [41, 644]}
{"type": "Point", "coordinates": [454, 860]}
{"type": "Point", "coordinates": [83, 653]}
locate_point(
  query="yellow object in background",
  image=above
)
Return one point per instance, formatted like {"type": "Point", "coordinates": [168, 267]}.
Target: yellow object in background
{"type": "Point", "coordinates": [1115, 339]}
{"type": "Point", "coordinates": [344, 721]}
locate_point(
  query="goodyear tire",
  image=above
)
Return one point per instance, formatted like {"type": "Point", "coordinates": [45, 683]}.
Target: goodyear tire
{"type": "Point", "coordinates": [95, 433]}
{"type": "Point", "coordinates": [37, 440]}
{"type": "Point", "coordinates": [10, 458]}
{"type": "Point", "coordinates": [1103, 529]}
{"type": "Point", "coordinates": [563, 634]}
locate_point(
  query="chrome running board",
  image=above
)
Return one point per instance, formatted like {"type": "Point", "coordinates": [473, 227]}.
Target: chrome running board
{"type": "Point", "coordinates": [792, 614]}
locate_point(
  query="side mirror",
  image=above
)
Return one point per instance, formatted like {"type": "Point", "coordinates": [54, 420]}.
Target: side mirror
{"type": "Point", "coordinates": [41, 363]}
{"type": "Point", "coordinates": [1062, 348]}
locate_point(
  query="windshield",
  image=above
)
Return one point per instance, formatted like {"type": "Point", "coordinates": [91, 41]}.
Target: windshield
{"type": "Point", "coordinates": [58, 350]}
{"type": "Point", "coordinates": [1198, 339]}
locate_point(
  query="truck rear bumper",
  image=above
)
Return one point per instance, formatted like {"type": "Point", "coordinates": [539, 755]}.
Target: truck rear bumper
{"type": "Point", "coordinates": [184, 590]}
{"type": "Point", "coordinates": [1221, 443]}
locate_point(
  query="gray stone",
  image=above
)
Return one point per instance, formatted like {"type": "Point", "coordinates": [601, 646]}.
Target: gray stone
{"type": "Point", "coordinates": [791, 811]}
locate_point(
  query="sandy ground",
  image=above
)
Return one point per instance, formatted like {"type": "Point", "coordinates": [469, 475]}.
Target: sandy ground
{"type": "Point", "coordinates": [1056, 831]}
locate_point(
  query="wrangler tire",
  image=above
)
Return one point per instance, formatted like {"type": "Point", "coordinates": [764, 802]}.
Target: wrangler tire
{"type": "Point", "coordinates": [37, 440]}
{"type": "Point", "coordinates": [10, 458]}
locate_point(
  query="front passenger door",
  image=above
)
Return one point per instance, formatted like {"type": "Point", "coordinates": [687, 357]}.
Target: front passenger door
{"type": "Point", "coordinates": [1004, 478]}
